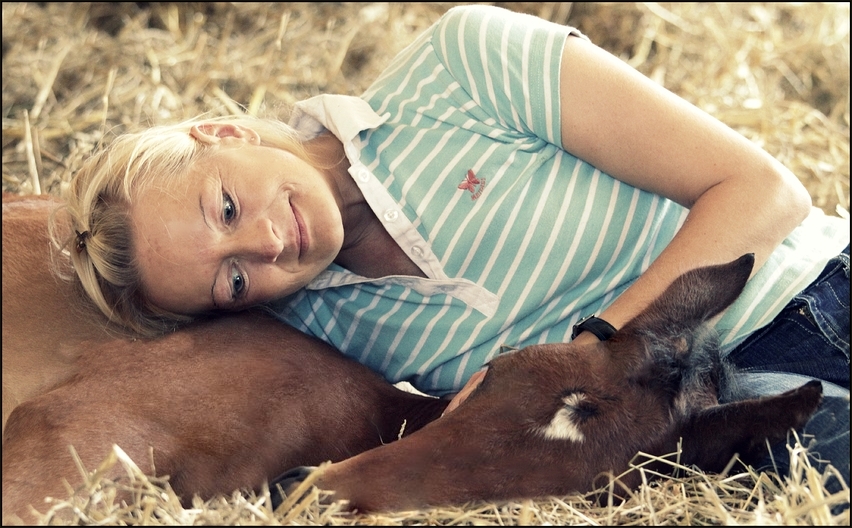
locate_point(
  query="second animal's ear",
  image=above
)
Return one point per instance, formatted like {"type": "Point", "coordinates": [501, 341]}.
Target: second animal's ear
{"type": "Point", "coordinates": [692, 299]}
{"type": "Point", "coordinates": [215, 133]}
{"type": "Point", "coordinates": [712, 436]}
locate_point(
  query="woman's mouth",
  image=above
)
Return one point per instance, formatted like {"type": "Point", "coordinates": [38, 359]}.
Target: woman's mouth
{"type": "Point", "coordinates": [301, 232]}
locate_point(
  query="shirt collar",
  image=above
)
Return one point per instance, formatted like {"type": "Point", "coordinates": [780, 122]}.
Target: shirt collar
{"type": "Point", "coordinates": [346, 116]}
{"type": "Point", "coordinates": [343, 115]}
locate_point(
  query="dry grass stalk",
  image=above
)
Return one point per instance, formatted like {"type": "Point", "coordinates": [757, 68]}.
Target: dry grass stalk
{"type": "Point", "coordinates": [777, 73]}
{"type": "Point", "coordinates": [741, 497]}
{"type": "Point", "coordinates": [31, 163]}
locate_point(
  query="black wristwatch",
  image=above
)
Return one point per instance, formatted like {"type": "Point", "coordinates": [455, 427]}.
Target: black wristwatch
{"type": "Point", "coordinates": [597, 326]}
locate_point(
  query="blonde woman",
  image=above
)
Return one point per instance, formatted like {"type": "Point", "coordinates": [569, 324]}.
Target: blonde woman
{"type": "Point", "coordinates": [500, 182]}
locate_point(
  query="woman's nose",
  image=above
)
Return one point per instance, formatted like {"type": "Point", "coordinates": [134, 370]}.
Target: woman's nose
{"type": "Point", "coordinates": [261, 241]}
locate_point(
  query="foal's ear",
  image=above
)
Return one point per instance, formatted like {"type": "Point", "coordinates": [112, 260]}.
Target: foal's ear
{"type": "Point", "coordinates": [214, 133]}
{"type": "Point", "coordinates": [693, 298]}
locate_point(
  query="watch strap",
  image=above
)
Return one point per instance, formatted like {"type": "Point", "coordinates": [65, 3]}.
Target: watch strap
{"type": "Point", "coordinates": [597, 326]}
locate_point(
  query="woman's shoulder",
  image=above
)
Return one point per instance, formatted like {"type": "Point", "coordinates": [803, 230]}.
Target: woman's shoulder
{"type": "Point", "coordinates": [478, 12]}
{"type": "Point", "coordinates": [475, 16]}
{"type": "Point", "coordinates": [494, 35]}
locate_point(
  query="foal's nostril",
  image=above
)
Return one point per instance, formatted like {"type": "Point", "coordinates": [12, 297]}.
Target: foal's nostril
{"type": "Point", "coordinates": [287, 482]}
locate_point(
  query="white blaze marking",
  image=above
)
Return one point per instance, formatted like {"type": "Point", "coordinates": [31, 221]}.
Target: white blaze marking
{"type": "Point", "coordinates": [563, 426]}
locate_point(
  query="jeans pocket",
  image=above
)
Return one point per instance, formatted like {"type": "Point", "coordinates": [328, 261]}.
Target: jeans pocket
{"type": "Point", "coordinates": [825, 304]}
{"type": "Point", "coordinates": [810, 337]}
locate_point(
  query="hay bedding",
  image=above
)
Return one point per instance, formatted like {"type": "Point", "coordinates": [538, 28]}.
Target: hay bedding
{"type": "Point", "coordinates": [691, 498]}
{"type": "Point", "coordinates": [75, 74]}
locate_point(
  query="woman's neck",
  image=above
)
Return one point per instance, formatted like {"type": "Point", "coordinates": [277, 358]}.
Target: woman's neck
{"type": "Point", "coordinates": [368, 249]}
{"type": "Point", "coordinates": [327, 151]}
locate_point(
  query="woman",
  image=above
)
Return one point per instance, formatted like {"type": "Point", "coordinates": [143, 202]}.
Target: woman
{"type": "Point", "coordinates": [502, 179]}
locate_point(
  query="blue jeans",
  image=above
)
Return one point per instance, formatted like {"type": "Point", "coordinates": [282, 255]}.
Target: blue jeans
{"type": "Point", "coordinates": [808, 340]}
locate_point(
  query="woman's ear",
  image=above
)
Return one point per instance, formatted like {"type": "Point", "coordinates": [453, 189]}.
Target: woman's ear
{"type": "Point", "coordinates": [214, 133]}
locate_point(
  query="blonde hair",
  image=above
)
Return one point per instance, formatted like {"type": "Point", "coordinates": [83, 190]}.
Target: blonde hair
{"type": "Point", "coordinates": [97, 211]}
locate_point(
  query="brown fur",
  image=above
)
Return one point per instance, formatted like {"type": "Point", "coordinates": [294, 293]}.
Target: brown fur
{"type": "Point", "coordinates": [225, 404]}
{"type": "Point", "coordinates": [40, 314]}
{"type": "Point", "coordinates": [655, 382]}
{"type": "Point", "coordinates": [229, 403]}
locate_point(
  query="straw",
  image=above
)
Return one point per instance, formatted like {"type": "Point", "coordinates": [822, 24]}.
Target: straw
{"type": "Point", "coordinates": [74, 74]}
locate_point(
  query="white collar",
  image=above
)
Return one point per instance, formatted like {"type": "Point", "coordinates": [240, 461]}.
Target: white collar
{"type": "Point", "coordinates": [346, 116]}
{"type": "Point", "coordinates": [343, 115]}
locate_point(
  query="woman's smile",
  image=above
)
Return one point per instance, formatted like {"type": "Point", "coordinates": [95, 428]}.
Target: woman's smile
{"type": "Point", "coordinates": [301, 232]}
{"type": "Point", "coordinates": [269, 223]}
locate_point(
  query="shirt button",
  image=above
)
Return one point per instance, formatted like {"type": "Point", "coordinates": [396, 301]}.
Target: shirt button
{"type": "Point", "coordinates": [363, 175]}
{"type": "Point", "coordinates": [417, 251]}
{"type": "Point", "coordinates": [391, 215]}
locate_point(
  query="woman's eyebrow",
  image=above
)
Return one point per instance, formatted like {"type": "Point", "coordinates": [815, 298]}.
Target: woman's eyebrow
{"type": "Point", "coordinates": [203, 216]}
{"type": "Point", "coordinates": [216, 275]}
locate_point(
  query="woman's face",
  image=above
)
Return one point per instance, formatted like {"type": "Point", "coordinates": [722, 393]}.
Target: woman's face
{"type": "Point", "coordinates": [247, 225]}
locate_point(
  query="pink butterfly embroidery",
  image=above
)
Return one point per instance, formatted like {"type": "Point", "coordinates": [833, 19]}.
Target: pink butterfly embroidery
{"type": "Point", "coordinates": [470, 183]}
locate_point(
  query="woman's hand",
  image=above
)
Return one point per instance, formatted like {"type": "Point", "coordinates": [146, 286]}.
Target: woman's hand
{"type": "Point", "coordinates": [471, 384]}
{"type": "Point", "coordinates": [476, 379]}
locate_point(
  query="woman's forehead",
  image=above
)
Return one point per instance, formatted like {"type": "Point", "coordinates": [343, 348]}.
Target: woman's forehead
{"type": "Point", "coordinates": [200, 172]}
{"type": "Point", "coordinates": [170, 238]}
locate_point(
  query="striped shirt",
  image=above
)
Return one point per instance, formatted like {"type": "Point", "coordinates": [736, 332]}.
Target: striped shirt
{"type": "Point", "coordinates": [456, 147]}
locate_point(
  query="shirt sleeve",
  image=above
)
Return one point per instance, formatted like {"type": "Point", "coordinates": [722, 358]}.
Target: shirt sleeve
{"type": "Point", "coordinates": [508, 63]}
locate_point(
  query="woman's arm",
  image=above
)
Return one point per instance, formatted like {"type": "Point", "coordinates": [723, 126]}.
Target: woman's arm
{"type": "Point", "coordinates": [741, 199]}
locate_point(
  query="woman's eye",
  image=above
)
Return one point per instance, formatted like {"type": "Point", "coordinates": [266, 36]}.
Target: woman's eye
{"type": "Point", "coordinates": [229, 210]}
{"type": "Point", "coordinates": [238, 283]}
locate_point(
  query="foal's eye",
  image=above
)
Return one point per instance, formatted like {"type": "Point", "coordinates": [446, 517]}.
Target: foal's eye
{"type": "Point", "coordinates": [229, 210]}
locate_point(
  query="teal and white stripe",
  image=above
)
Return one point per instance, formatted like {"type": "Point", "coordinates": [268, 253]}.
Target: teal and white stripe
{"type": "Point", "coordinates": [542, 240]}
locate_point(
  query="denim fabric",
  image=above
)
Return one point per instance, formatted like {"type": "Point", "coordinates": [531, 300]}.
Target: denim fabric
{"type": "Point", "coordinates": [811, 335]}
{"type": "Point", "coordinates": [809, 339]}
